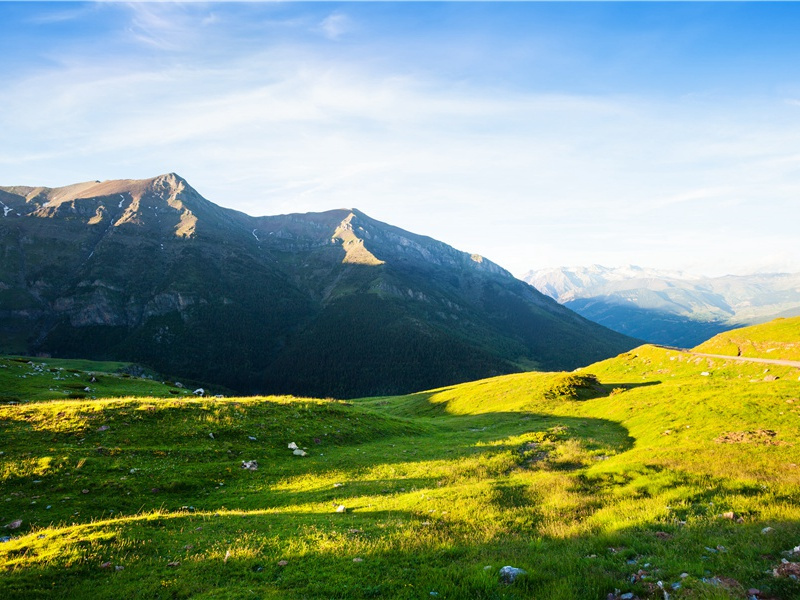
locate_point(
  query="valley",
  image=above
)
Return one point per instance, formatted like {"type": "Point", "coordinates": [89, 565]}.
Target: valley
{"type": "Point", "coordinates": [653, 466]}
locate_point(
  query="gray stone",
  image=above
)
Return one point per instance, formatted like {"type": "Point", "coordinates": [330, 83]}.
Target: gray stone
{"type": "Point", "coordinates": [509, 574]}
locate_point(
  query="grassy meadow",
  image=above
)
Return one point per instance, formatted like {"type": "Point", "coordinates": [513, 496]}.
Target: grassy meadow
{"type": "Point", "coordinates": [656, 474]}
{"type": "Point", "coordinates": [779, 339]}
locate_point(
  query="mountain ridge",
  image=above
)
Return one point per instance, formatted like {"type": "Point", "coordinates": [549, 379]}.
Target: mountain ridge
{"type": "Point", "coordinates": [669, 307]}
{"type": "Point", "coordinates": [329, 303]}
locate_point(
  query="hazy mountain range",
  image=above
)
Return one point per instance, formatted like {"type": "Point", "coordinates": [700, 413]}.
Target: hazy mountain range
{"type": "Point", "coordinates": [331, 303]}
{"type": "Point", "coordinates": [669, 307]}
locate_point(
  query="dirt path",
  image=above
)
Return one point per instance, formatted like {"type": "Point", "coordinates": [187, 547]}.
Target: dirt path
{"type": "Point", "coordinates": [766, 361]}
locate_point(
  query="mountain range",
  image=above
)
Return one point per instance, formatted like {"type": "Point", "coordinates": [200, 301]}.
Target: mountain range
{"type": "Point", "coordinates": [328, 304]}
{"type": "Point", "coordinates": [669, 307]}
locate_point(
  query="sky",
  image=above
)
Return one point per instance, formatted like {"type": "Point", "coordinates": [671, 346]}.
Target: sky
{"type": "Point", "coordinates": [664, 135]}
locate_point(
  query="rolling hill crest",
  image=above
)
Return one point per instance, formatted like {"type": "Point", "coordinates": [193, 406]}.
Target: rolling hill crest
{"type": "Point", "coordinates": [333, 303]}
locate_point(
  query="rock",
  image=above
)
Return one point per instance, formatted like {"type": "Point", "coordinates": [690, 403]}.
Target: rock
{"type": "Point", "coordinates": [754, 592]}
{"type": "Point", "coordinates": [14, 524]}
{"type": "Point", "coordinates": [87, 389]}
{"type": "Point", "coordinates": [211, 435]}
{"type": "Point", "coordinates": [336, 485]}
{"type": "Point", "coordinates": [705, 373]}
{"type": "Point", "coordinates": [292, 446]}
{"type": "Point", "coordinates": [105, 565]}
{"type": "Point", "coordinates": [358, 559]}
{"type": "Point", "coordinates": [341, 508]}
{"type": "Point", "coordinates": [767, 530]}
{"type": "Point", "coordinates": [626, 596]}
{"type": "Point", "coordinates": [299, 452]}
{"type": "Point", "coordinates": [251, 438]}
{"type": "Point", "coordinates": [283, 563]}
{"type": "Point", "coordinates": [509, 574]}
{"type": "Point", "coordinates": [103, 428]}
{"type": "Point", "coordinates": [771, 378]}
{"type": "Point", "coordinates": [250, 465]}
{"type": "Point", "coordinates": [729, 515]}
{"type": "Point", "coordinates": [84, 491]}
{"type": "Point", "coordinates": [199, 392]}
{"type": "Point", "coordinates": [119, 568]}
{"type": "Point", "coordinates": [178, 384]}
{"type": "Point", "coordinates": [174, 564]}
{"type": "Point", "coordinates": [787, 569]}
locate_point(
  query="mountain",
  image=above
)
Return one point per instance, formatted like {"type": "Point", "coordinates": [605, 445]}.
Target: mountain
{"type": "Point", "coordinates": [332, 303]}
{"type": "Point", "coordinates": [668, 307]}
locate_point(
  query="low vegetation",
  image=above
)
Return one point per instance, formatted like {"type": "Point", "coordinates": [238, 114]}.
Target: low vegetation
{"type": "Point", "coordinates": [779, 339]}
{"type": "Point", "coordinates": [657, 473]}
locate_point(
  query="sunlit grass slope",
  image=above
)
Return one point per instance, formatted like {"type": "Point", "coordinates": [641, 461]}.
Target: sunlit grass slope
{"type": "Point", "coordinates": [779, 339]}
{"type": "Point", "coordinates": [614, 477]}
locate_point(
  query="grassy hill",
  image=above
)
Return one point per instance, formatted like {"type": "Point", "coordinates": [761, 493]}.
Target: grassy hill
{"type": "Point", "coordinates": [655, 466]}
{"type": "Point", "coordinates": [779, 339]}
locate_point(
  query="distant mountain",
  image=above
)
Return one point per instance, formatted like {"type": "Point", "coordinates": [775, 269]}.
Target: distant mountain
{"type": "Point", "coordinates": [331, 303]}
{"type": "Point", "coordinates": [668, 307]}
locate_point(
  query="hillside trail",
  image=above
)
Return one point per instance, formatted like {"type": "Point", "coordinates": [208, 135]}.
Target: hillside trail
{"type": "Point", "coordinates": [766, 361]}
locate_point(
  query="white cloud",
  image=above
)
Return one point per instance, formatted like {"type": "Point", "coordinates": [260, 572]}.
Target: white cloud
{"type": "Point", "coordinates": [336, 25]}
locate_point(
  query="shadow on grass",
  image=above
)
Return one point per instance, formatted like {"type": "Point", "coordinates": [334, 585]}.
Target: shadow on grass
{"type": "Point", "coordinates": [397, 554]}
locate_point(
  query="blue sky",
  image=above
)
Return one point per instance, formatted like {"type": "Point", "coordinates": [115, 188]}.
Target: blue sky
{"type": "Point", "coordinates": [536, 134]}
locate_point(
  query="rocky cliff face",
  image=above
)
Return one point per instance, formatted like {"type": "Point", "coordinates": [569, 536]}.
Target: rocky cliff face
{"type": "Point", "coordinates": [332, 303]}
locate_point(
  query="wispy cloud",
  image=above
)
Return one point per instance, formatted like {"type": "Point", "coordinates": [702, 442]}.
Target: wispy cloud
{"type": "Point", "coordinates": [288, 123]}
{"type": "Point", "coordinates": [336, 25]}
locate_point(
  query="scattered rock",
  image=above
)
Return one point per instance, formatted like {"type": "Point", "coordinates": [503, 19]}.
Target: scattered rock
{"type": "Point", "coordinates": [292, 446]}
{"type": "Point", "coordinates": [178, 384]}
{"type": "Point", "coordinates": [338, 485]}
{"type": "Point", "coordinates": [250, 465]}
{"type": "Point", "coordinates": [227, 556]}
{"type": "Point", "coordinates": [299, 452]}
{"type": "Point", "coordinates": [754, 592]}
{"type": "Point", "coordinates": [771, 378]}
{"type": "Point", "coordinates": [358, 560]}
{"type": "Point", "coordinates": [787, 569]}
{"type": "Point", "coordinates": [199, 392]}
{"type": "Point", "coordinates": [729, 515]}
{"type": "Point", "coordinates": [14, 524]}
{"type": "Point", "coordinates": [84, 491]}
{"type": "Point", "coordinates": [627, 596]}
{"type": "Point", "coordinates": [106, 565]}
{"type": "Point", "coordinates": [509, 574]}
{"type": "Point", "coordinates": [705, 373]}
{"type": "Point", "coordinates": [767, 530]}
{"type": "Point", "coordinates": [103, 428]}
{"type": "Point", "coordinates": [119, 568]}
{"type": "Point", "coordinates": [283, 563]}
{"type": "Point", "coordinates": [251, 438]}
{"type": "Point", "coordinates": [341, 508]}
{"type": "Point", "coordinates": [211, 435]}
{"type": "Point", "coordinates": [174, 564]}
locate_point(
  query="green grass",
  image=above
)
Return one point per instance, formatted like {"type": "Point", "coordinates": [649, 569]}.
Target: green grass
{"type": "Point", "coordinates": [779, 338]}
{"type": "Point", "coordinates": [26, 379]}
{"type": "Point", "coordinates": [582, 479]}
